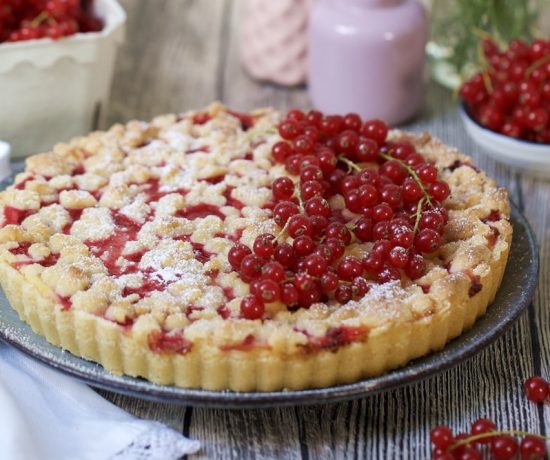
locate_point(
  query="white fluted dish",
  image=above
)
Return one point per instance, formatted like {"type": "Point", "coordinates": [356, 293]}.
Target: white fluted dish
{"type": "Point", "coordinates": [526, 156]}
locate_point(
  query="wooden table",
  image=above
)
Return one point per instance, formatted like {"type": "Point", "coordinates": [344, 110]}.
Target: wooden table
{"type": "Point", "coordinates": [183, 54]}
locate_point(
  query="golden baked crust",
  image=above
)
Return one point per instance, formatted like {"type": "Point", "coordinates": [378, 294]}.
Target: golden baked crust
{"type": "Point", "coordinates": [179, 191]}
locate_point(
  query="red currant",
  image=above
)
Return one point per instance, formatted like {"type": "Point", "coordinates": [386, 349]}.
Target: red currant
{"type": "Point", "coordinates": [415, 267]}
{"type": "Point", "coordinates": [281, 151]}
{"type": "Point", "coordinates": [303, 144]}
{"type": "Point", "coordinates": [349, 267]}
{"type": "Point", "coordinates": [289, 130]}
{"type": "Point", "coordinates": [483, 425]}
{"type": "Point", "coordinates": [382, 212]}
{"type": "Point", "coordinates": [376, 130]}
{"type": "Point", "coordinates": [264, 245]}
{"type": "Point", "coordinates": [439, 190]}
{"type": "Point", "coordinates": [441, 437]}
{"type": "Point", "coordinates": [274, 271]}
{"type": "Point", "coordinates": [316, 265]}
{"type": "Point", "coordinates": [536, 389]}
{"type": "Point", "coordinates": [373, 264]}
{"type": "Point", "coordinates": [349, 184]}
{"type": "Point", "coordinates": [317, 206]}
{"type": "Point", "coordinates": [311, 188]}
{"type": "Point", "coordinates": [337, 247]}
{"type": "Point", "coordinates": [427, 173]}
{"type": "Point", "coordinates": [303, 245]}
{"type": "Point", "coordinates": [252, 307]}
{"type": "Point", "coordinates": [329, 282]}
{"type": "Point", "coordinates": [504, 447]}
{"type": "Point", "coordinates": [359, 287]}
{"type": "Point", "coordinates": [339, 231]}
{"type": "Point", "coordinates": [381, 230]}
{"type": "Point", "coordinates": [391, 194]}
{"type": "Point", "coordinates": [343, 293]}
{"type": "Point", "coordinates": [289, 294]}
{"type": "Point", "coordinates": [402, 149]}
{"type": "Point", "coordinates": [295, 115]}
{"type": "Point", "coordinates": [363, 229]}
{"type": "Point", "coordinates": [388, 274]}
{"type": "Point", "coordinates": [311, 173]}
{"type": "Point", "coordinates": [411, 191]}
{"type": "Point", "coordinates": [394, 171]}
{"type": "Point", "coordinates": [251, 267]}
{"type": "Point", "coordinates": [299, 225]}
{"type": "Point", "coordinates": [327, 160]}
{"type": "Point", "coordinates": [532, 448]}
{"type": "Point", "coordinates": [314, 118]}
{"type": "Point", "coordinates": [268, 290]}
{"type": "Point", "coordinates": [352, 121]}
{"type": "Point", "coordinates": [284, 254]}
{"type": "Point", "coordinates": [282, 188]}
{"type": "Point", "coordinates": [304, 282]}
{"type": "Point", "coordinates": [427, 240]}
{"type": "Point", "coordinates": [347, 142]}
{"type": "Point", "coordinates": [366, 150]}
{"type": "Point", "coordinates": [331, 125]}
{"type": "Point", "coordinates": [401, 235]}
{"type": "Point", "coordinates": [284, 211]}
{"type": "Point", "coordinates": [236, 255]}
{"type": "Point", "coordinates": [398, 257]}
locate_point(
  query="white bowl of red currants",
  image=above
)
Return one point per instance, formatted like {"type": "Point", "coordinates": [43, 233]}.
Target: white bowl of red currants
{"type": "Point", "coordinates": [56, 64]}
{"type": "Point", "coordinates": [506, 106]}
{"type": "Point", "coordinates": [525, 155]}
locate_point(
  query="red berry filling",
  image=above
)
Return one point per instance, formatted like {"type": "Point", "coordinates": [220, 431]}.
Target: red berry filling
{"type": "Point", "coordinates": [169, 342]}
{"type": "Point", "coordinates": [14, 216]}
{"type": "Point", "coordinates": [23, 249]}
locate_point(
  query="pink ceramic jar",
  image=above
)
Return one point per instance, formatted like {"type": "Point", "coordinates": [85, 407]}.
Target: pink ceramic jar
{"type": "Point", "coordinates": [368, 57]}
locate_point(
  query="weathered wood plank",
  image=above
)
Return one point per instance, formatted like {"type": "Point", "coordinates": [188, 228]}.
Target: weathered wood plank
{"type": "Point", "coordinates": [170, 59]}
{"type": "Point", "coordinates": [535, 200]}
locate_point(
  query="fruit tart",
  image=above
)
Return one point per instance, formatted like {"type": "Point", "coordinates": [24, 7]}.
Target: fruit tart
{"type": "Point", "coordinates": [252, 252]}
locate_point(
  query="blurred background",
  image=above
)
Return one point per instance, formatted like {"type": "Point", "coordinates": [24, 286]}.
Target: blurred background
{"type": "Point", "coordinates": [152, 57]}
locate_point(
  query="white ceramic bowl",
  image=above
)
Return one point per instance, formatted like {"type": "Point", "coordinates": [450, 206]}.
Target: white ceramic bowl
{"type": "Point", "coordinates": [527, 156]}
{"type": "Point", "coordinates": [53, 90]}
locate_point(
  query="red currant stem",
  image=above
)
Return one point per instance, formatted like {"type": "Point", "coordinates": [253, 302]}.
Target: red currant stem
{"type": "Point", "coordinates": [40, 18]}
{"type": "Point", "coordinates": [412, 172]}
{"type": "Point", "coordinates": [418, 214]}
{"type": "Point", "coordinates": [456, 91]}
{"type": "Point", "coordinates": [543, 60]}
{"type": "Point", "coordinates": [483, 34]}
{"type": "Point", "coordinates": [484, 68]}
{"type": "Point", "coordinates": [349, 163]}
{"type": "Point", "coordinates": [282, 232]}
{"type": "Point", "coordinates": [298, 194]}
{"type": "Point", "coordinates": [250, 134]}
{"type": "Point", "coordinates": [353, 223]}
{"type": "Point", "coordinates": [491, 434]}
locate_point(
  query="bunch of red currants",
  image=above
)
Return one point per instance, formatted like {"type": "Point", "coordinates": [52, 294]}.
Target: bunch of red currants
{"type": "Point", "coordinates": [503, 445]}
{"type": "Point", "coordinates": [511, 95]}
{"type": "Point", "coordinates": [33, 19]}
{"type": "Point", "coordinates": [347, 184]}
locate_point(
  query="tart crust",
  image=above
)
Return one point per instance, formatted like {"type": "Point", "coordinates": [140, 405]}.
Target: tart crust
{"type": "Point", "coordinates": [319, 347]}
